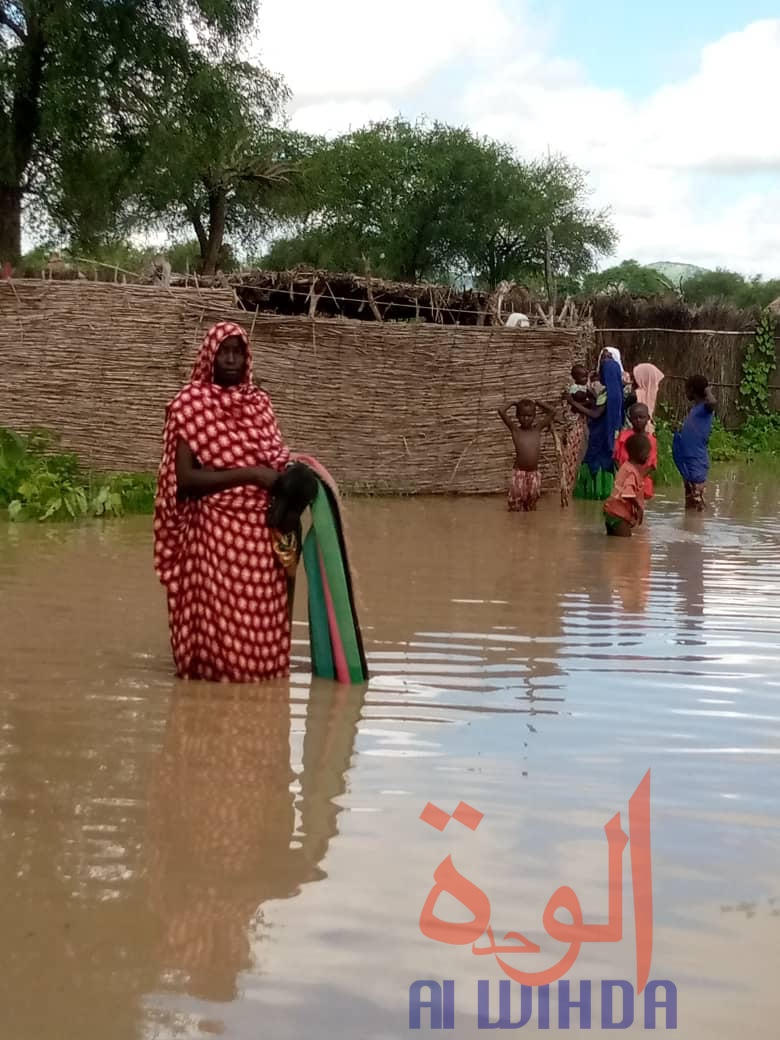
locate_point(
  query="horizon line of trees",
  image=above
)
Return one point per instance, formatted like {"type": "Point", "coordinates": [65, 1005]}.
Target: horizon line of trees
{"type": "Point", "coordinates": [128, 117]}
{"type": "Point", "coordinates": [702, 287]}
{"type": "Point", "coordinates": [706, 286]}
{"type": "Point", "coordinates": [120, 117]}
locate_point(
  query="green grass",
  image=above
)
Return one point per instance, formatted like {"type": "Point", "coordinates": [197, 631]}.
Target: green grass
{"type": "Point", "coordinates": [666, 472]}
{"type": "Point", "coordinates": [756, 443]}
{"type": "Point", "coordinates": [40, 483]}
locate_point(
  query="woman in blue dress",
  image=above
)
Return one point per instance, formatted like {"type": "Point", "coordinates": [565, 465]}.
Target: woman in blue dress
{"type": "Point", "coordinates": [605, 421]}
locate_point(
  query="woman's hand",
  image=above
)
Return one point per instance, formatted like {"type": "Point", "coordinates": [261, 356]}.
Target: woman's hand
{"type": "Point", "coordinates": [263, 477]}
{"type": "Point", "coordinates": [195, 481]}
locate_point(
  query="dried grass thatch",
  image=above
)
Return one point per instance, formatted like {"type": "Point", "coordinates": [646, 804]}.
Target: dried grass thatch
{"type": "Point", "coordinates": [401, 408]}
{"type": "Point", "coordinates": [318, 293]}
{"type": "Point", "coordinates": [667, 311]}
{"type": "Point", "coordinates": [324, 294]}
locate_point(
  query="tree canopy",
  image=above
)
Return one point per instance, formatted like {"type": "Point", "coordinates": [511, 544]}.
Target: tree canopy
{"type": "Point", "coordinates": [429, 201]}
{"type": "Point", "coordinates": [731, 287]}
{"type": "Point", "coordinates": [630, 277]}
{"type": "Point", "coordinates": [136, 115]}
{"type": "Point", "coordinates": [76, 78]}
{"type": "Point", "coordinates": [213, 159]}
{"type": "Point", "coordinates": [126, 116]}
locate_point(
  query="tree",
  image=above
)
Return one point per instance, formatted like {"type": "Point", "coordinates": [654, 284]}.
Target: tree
{"type": "Point", "coordinates": [630, 277]}
{"type": "Point", "coordinates": [72, 76]}
{"type": "Point", "coordinates": [711, 285]}
{"type": "Point", "coordinates": [397, 194]}
{"type": "Point", "coordinates": [423, 201]}
{"type": "Point", "coordinates": [535, 216]}
{"type": "Point", "coordinates": [186, 256]}
{"type": "Point", "coordinates": [731, 287]}
{"type": "Point", "coordinates": [213, 160]}
{"type": "Point", "coordinates": [331, 249]}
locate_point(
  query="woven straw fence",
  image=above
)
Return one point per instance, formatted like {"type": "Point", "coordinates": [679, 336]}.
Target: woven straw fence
{"type": "Point", "coordinates": [397, 408]}
{"type": "Point", "coordinates": [679, 354]}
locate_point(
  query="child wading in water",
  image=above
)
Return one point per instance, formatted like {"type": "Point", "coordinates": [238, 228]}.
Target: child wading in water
{"type": "Point", "coordinates": [625, 508]}
{"type": "Point", "coordinates": [689, 447]}
{"type": "Point", "coordinates": [639, 416]}
{"type": "Point", "coordinates": [527, 436]}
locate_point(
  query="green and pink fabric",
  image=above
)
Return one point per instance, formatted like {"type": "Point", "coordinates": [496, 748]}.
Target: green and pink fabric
{"type": "Point", "coordinates": [334, 631]}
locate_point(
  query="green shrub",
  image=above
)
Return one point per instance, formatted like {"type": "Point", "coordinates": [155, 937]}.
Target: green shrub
{"type": "Point", "coordinates": [758, 439]}
{"type": "Point", "coordinates": [761, 435]}
{"type": "Point", "coordinates": [725, 446]}
{"type": "Point", "coordinates": [666, 471]}
{"type": "Point", "coordinates": [39, 483]}
{"type": "Point", "coordinates": [127, 493]}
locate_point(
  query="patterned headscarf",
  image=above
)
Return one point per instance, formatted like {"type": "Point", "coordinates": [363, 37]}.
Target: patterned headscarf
{"type": "Point", "coordinates": [203, 369]}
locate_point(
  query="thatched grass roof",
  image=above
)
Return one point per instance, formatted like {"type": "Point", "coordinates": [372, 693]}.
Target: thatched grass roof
{"type": "Point", "coordinates": [665, 311]}
{"type": "Point", "coordinates": [327, 294]}
{"type": "Point", "coordinates": [343, 295]}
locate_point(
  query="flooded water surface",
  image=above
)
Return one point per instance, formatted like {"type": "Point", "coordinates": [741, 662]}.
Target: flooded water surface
{"type": "Point", "coordinates": [184, 860]}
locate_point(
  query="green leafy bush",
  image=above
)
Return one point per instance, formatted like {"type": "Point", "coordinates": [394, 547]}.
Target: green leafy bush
{"type": "Point", "coordinates": [39, 483]}
{"type": "Point", "coordinates": [127, 493]}
{"type": "Point", "coordinates": [759, 437]}
{"type": "Point", "coordinates": [666, 471]}
{"type": "Point", "coordinates": [725, 445]}
{"type": "Point", "coordinates": [757, 368]}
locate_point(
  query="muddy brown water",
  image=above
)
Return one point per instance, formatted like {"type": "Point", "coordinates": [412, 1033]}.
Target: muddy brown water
{"type": "Point", "coordinates": [182, 860]}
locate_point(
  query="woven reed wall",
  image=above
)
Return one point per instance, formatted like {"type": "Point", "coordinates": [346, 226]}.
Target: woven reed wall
{"type": "Point", "coordinates": [387, 408]}
{"type": "Point", "coordinates": [718, 356]}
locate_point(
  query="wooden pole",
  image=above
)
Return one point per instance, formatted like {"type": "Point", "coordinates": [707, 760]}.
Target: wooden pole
{"type": "Point", "coordinates": [549, 276]}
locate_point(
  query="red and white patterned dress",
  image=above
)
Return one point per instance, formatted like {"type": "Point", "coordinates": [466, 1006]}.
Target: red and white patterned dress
{"type": "Point", "coordinates": [227, 590]}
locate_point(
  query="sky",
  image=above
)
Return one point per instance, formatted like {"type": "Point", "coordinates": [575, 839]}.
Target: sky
{"type": "Point", "coordinates": [670, 107]}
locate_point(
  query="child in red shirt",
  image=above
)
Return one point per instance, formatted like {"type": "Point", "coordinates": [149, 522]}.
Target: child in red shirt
{"type": "Point", "coordinates": [639, 415]}
{"type": "Point", "coordinates": [625, 508]}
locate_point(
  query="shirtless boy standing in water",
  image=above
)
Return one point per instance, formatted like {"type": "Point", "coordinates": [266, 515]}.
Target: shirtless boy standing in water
{"type": "Point", "coordinates": [527, 436]}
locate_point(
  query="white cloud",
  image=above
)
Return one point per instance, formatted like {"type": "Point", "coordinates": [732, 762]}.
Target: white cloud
{"type": "Point", "coordinates": [722, 118]}
{"type": "Point", "coordinates": [665, 164]}
{"type": "Point", "coordinates": [336, 117]}
{"type": "Point", "coordinates": [351, 48]}
{"type": "Point", "coordinates": [648, 159]}
{"type": "Point", "coordinates": [718, 120]}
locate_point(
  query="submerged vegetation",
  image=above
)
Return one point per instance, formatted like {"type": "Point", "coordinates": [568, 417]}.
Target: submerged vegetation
{"type": "Point", "coordinates": [37, 482]}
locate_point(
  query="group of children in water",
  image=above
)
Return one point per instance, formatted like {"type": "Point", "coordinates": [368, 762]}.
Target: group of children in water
{"type": "Point", "coordinates": [610, 451]}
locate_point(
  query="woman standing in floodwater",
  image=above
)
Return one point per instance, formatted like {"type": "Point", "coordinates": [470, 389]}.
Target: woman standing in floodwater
{"type": "Point", "coordinates": [597, 472]}
{"type": "Point", "coordinates": [222, 453]}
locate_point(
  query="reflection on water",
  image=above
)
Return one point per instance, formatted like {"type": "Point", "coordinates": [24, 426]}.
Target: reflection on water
{"type": "Point", "coordinates": [222, 836]}
{"type": "Point", "coordinates": [184, 860]}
